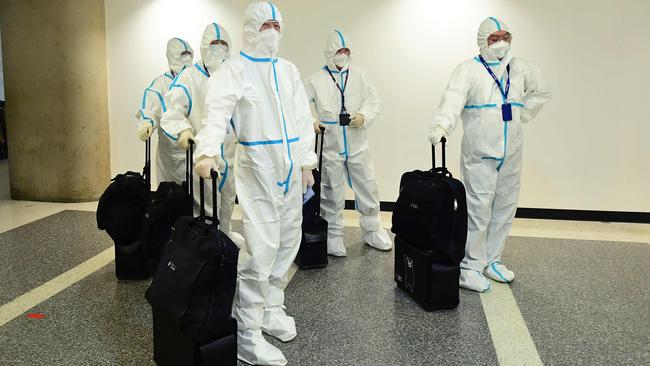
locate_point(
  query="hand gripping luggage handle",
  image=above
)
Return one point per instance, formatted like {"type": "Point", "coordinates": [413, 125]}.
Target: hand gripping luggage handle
{"type": "Point", "coordinates": [214, 176]}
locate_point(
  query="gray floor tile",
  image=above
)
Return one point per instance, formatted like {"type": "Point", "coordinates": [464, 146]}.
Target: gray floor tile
{"type": "Point", "coordinates": [351, 313]}
{"type": "Point", "coordinates": [585, 302]}
{"type": "Point", "coordinates": [37, 252]}
{"type": "Point", "coordinates": [96, 321]}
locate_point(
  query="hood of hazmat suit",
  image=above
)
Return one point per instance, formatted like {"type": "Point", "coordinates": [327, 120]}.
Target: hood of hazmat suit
{"type": "Point", "coordinates": [334, 41]}
{"type": "Point", "coordinates": [213, 55]}
{"type": "Point", "coordinates": [487, 27]}
{"type": "Point", "coordinates": [176, 61]}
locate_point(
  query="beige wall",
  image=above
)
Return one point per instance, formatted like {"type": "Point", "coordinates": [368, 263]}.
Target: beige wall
{"type": "Point", "coordinates": [586, 150]}
{"type": "Point", "coordinates": [54, 55]}
{"type": "Point", "coordinates": [137, 32]}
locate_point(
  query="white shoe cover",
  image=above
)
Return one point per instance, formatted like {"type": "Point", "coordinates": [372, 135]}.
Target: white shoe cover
{"type": "Point", "coordinates": [335, 247]}
{"type": "Point", "coordinates": [237, 238]}
{"type": "Point", "coordinates": [499, 272]}
{"type": "Point", "coordinates": [474, 280]}
{"type": "Point", "coordinates": [278, 324]}
{"type": "Point", "coordinates": [253, 349]}
{"type": "Point", "coordinates": [378, 239]}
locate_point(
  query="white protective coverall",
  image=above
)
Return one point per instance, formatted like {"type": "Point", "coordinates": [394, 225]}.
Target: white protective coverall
{"type": "Point", "coordinates": [272, 121]}
{"type": "Point", "coordinates": [170, 158]}
{"type": "Point", "coordinates": [491, 150]}
{"type": "Point", "coordinates": [185, 105]}
{"type": "Point", "coordinates": [346, 156]}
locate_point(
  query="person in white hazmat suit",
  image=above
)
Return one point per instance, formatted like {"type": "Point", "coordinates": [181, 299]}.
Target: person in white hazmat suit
{"type": "Point", "coordinates": [170, 159]}
{"type": "Point", "coordinates": [272, 120]}
{"type": "Point", "coordinates": [185, 102]}
{"type": "Point", "coordinates": [346, 156]}
{"type": "Point", "coordinates": [494, 94]}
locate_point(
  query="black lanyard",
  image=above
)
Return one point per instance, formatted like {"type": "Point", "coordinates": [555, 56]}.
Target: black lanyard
{"type": "Point", "coordinates": [503, 93]}
{"type": "Point", "coordinates": [342, 90]}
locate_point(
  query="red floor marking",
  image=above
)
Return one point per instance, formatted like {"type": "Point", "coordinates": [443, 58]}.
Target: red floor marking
{"type": "Point", "coordinates": [35, 316]}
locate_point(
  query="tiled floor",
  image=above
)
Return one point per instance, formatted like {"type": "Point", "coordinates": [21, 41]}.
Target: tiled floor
{"type": "Point", "coordinates": [585, 302]}
{"type": "Point", "coordinates": [582, 294]}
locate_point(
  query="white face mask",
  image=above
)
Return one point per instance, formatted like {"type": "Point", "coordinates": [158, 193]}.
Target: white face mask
{"type": "Point", "coordinates": [215, 56]}
{"type": "Point", "coordinates": [341, 60]}
{"type": "Point", "coordinates": [186, 60]}
{"type": "Point", "coordinates": [270, 38]}
{"type": "Point", "coordinates": [500, 49]}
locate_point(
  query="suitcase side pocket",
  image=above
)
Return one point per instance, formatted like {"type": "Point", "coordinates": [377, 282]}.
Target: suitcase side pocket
{"type": "Point", "coordinates": [171, 288]}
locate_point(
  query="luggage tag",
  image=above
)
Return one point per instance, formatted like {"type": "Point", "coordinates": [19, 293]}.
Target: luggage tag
{"type": "Point", "coordinates": [506, 112]}
{"type": "Point", "coordinates": [308, 195]}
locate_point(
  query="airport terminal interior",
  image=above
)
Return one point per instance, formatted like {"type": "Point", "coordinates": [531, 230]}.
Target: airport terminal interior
{"type": "Point", "coordinates": [79, 83]}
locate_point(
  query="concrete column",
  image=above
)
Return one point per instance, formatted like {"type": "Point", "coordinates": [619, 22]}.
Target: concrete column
{"type": "Point", "coordinates": [54, 55]}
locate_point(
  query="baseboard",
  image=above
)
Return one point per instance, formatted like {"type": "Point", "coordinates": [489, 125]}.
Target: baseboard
{"type": "Point", "coordinates": [555, 214]}
{"type": "Point", "coordinates": [583, 215]}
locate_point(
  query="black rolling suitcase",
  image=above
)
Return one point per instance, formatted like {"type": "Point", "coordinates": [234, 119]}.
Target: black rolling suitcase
{"type": "Point", "coordinates": [313, 246]}
{"type": "Point", "coordinates": [432, 284]}
{"type": "Point", "coordinates": [431, 212]}
{"type": "Point", "coordinates": [169, 202]}
{"type": "Point", "coordinates": [173, 347]}
{"type": "Point", "coordinates": [120, 212]}
{"type": "Point", "coordinates": [430, 223]}
{"type": "Point", "coordinates": [192, 292]}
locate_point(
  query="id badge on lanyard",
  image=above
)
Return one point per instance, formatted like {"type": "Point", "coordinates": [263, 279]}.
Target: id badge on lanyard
{"type": "Point", "coordinates": [344, 116]}
{"type": "Point", "coordinates": [506, 108]}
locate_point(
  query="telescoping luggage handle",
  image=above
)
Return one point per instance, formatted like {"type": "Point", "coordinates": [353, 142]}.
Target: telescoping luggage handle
{"type": "Point", "coordinates": [215, 217]}
{"type": "Point", "coordinates": [320, 159]}
{"type": "Point", "coordinates": [189, 165]}
{"type": "Point", "coordinates": [147, 165]}
{"type": "Point", "coordinates": [320, 156]}
{"type": "Point", "coordinates": [443, 168]}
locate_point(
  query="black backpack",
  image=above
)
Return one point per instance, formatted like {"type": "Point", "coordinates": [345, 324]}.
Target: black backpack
{"type": "Point", "coordinates": [431, 212]}
{"type": "Point", "coordinates": [169, 202]}
{"type": "Point", "coordinates": [194, 284]}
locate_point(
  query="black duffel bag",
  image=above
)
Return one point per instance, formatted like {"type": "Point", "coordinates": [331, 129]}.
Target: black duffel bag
{"type": "Point", "coordinates": [120, 213]}
{"type": "Point", "coordinates": [431, 212]}
{"type": "Point", "coordinates": [121, 207]}
{"type": "Point", "coordinates": [194, 284]}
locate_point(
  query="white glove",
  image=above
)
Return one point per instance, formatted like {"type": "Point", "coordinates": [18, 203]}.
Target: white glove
{"type": "Point", "coordinates": [307, 180]}
{"type": "Point", "coordinates": [318, 126]}
{"type": "Point", "coordinates": [184, 139]}
{"type": "Point", "coordinates": [437, 133]}
{"type": "Point", "coordinates": [145, 130]}
{"type": "Point", "coordinates": [204, 165]}
{"type": "Point", "coordinates": [357, 120]}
